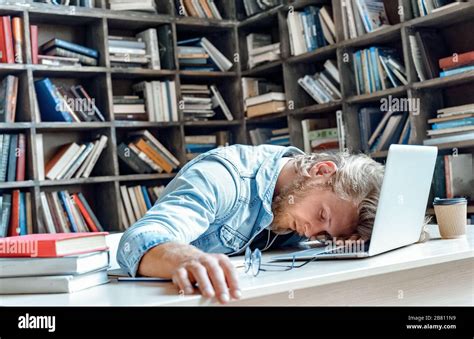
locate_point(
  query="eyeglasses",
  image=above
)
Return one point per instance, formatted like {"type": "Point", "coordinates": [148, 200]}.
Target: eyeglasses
{"type": "Point", "coordinates": [253, 263]}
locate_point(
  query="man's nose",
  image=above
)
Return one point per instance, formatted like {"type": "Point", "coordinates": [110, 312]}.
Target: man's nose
{"type": "Point", "coordinates": [313, 229]}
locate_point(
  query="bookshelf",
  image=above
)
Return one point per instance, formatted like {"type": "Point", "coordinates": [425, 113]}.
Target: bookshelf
{"type": "Point", "coordinates": [91, 27]}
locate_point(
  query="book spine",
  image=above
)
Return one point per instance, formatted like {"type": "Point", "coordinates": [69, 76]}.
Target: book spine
{"type": "Point", "coordinates": [455, 123]}
{"type": "Point", "coordinates": [90, 212]}
{"type": "Point", "coordinates": [69, 54]}
{"type": "Point", "coordinates": [29, 213]}
{"type": "Point", "coordinates": [64, 201]}
{"type": "Point", "coordinates": [34, 43]}
{"type": "Point", "coordinates": [17, 26]}
{"type": "Point", "coordinates": [74, 48]}
{"type": "Point", "coordinates": [4, 157]}
{"type": "Point", "coordinates": [10, 55]}
{"type": "Point", "coordinates": [21, 162]}
{"type": "Point", "coordinates": [5, 216]}
{"type": "Point", "coordinates": [15, 214]}
{"type": "Point", "coordinates": [146, 197]}
{"type": "Point", "coordinates": [12, 158]}
{"type": "Point", "coordinates": [3, 51]}
{"type": "Point", "coordinates": [85, 214]}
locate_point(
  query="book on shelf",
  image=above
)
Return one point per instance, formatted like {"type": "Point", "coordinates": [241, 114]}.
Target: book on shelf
{"type": "Point", "coordinates": [75, 160]}
{"type": "Point", "coordinates": [133, 5]}
{"type": "Point", "coordinates": [62, 48]}
{"type": "Point", "coordinates": [310, 29]}
{"type": "Point", "coordinates": [364, 16]}
{"type": "Point", "coordinates": [57, 263]}
{"type": "Point", "coordinates": [200, 54]}
{"type": "Point", "coordinates": [65, 104]}
{"type": "Point", "coordinates": [144, 154]}
{"type": "Point", "coordinates": [426, 7]}
{"type": "Point", "coordinates": [322, 86]}
{"type": "Point", "coordinates": [253, 7]}
{"type": "Point", "coordinates": [265, 135]}
{"type": "Point", "coordinates": [12, 40]}
{"type": "Point", "coordinates": [454, 176]}
{"type": "Point", "coordinates": [457, 64]}
{"type": "Point", "coordinates": [204, 9]}
{"type": "Point", "coordinates": [143, 50]}
{"type": "Point", "coordinates": [78, 3]}
{"type": "Point", "coordinates": [392, 128]}
{"type": "Point", "coordinates": [377, 69]}
{"type": "Point", "coordinates": [198, 144]}
{"type": "Point", "coordinates": [201, 102]}
{"type": "Point", "coordinates": [452, 124]}
{"type": "Point", "coordinates": [12, 157]}
{"type": "Point", "coordinates": [152, 100]}
{"type": "Point", "coordinates": [427, 48]}
{"type": "Point", "coordinates": [15, 213]}
{"type": "Point", "coordinates": [262, 97]}
{"type": "Point", "coordinates": [319, 136]}
{"type": "Point", "coordinates": [261, 49]}
{"type": "Point", "coordinates": [8, 98]}
{"type": "Point", "coordinates": [135, 201]}
{"type": "Point", "coordinates": [63, 212]}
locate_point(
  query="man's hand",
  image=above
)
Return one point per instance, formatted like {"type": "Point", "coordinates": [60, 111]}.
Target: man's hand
{"type": "Point", "coordinates": [186, 265]}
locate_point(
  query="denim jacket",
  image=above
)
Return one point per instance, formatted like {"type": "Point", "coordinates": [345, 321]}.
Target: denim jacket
{"type": "Point", "coordinates": [217, 202]}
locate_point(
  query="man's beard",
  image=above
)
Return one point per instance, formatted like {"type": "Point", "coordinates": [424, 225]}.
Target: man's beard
{"type": "Point", "coordinates": [288, 197]}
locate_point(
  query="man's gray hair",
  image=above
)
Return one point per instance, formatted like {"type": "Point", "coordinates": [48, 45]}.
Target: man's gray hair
{"type": "Point", "coordinates": [358, 179]}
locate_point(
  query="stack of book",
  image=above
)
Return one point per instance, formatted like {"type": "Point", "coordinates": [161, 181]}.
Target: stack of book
{"type": "Point", "coordinates": [377, 69]}
{"type": "Point", "coordinates": [455, 65]}
{"type": "Point", "coordinates": [133, 5]}
{"type": "Point", "coordinates": [198, 144]}
{"type": "Point", "coordinates": [63, 212]}
{"type": "Point", "coordinates": [253, 7]}
{"type": "Point", "coordinates": [454, 176]}
{"type": "Point", "coordinates": [205, 9]}
{"type": "Point", "coordinates": [12, 157]}
{"type": "Point", "coordinates": [381, 129]}
{"type": "Point", "coordinates": [323, 86]}
{"type": "Point", "coordinates": [136, 201]}
{"type": "Point", "coordinates": [53, 263]}
{"type": "Point", "coordinates": [452, 124]}
{"type": "Point", "coordinates": [364, 16]}
{"type": "Point", "coordinates": [75, 160]}
{"type": "Point", "coordinates": [202, 102]}
{"type": "Point", "coordinates": [262, 97]}
{"type": "Point", "coordinates": [67, 104]}
{"type": "Point", "coordinates": [76, 53]}
{"type": "Point", "coordinates": [318, 136]}
{"type": "Point", "coordinates": [199, 54]}
{"type": "Point", "coordinates": [158, 97]}
{"type": "Point", "coordinates": [145, 154]}
{"type": "Point", "coordinates": [12, 42]}
{"type": "Point", "coordinates": [8, 98]}
{"type": "Point", "coordinates": [260, 136]}
{"type": "Point", "coordinates": [140, 51]}
{"type": "Point", "coordinates": [16, 217]}
{"type": "Point", "coordinates": [261, 49]}
{"type": "Point", "coordinates": [311, 29]}
{"type": "Point", "coordinates": [425, 7]}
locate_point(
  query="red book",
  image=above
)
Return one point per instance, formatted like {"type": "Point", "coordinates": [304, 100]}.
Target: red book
{"type": "Point", "coordinates": [464, 59]}
{"type": "Point", "coordinates": [15, 214]}
{"type": "Point", "coordinates": [21, 161]}
{"type": "Point", "coordinates": [85, 214]}
{"type": "Point", "coordinates": [34, 43]}
{"type": "Point", "coordinates": [7, 31]}
{"type": "Point", "coordinates": [52, 245]}
{"type": "Point", "coordinates": [3, 49]}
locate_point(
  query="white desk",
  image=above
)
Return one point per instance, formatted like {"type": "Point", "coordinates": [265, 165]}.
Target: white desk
{"type": "Point", "coordinates": [439, 272]}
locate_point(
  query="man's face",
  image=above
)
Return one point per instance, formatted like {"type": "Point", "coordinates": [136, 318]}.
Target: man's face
{"type": "Point", "coordinates": [312, 209]}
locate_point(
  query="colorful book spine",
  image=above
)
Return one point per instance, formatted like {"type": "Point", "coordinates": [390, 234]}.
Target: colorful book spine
{"type": "Point", "coordinates": [70, 47]}
{"type": "Point", "coordinates": [456, 71]}
{"type": "Point", "coordinates": [454, 123]}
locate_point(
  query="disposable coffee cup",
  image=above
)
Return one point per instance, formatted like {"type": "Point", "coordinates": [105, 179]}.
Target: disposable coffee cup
{"type": "Point", "coordinates": [451, 215]}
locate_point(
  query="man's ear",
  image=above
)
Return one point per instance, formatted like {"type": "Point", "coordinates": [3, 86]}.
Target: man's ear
{"type": "Point", "coordinates": [323, 168]}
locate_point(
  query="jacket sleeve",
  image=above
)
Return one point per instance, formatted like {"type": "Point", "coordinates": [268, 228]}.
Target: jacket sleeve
{"type": "Point", "coordinates": [192, 201]}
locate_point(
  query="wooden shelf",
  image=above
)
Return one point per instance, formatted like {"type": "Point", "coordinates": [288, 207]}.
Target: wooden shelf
{"type": "Point", "coordinates": [264, 68]}
{"type": "Point", "coordinates": [319, 54]}
{"type": "Point", "coordinates": [15, 126]}
{"type": "Point", "coordinates": [266, 118]}
{"type": "Point", "coordinates": [144, 124]}
{"type": "Point", "coordinates": [143, 177]}
{"type": "Point", "coordinates": [444, 17]}
{"type": "Point", "coordinates": [370, 97]}
{"type": "Point", "coordinates": [199, 74]}
{"type": "Point", "coordinates": [62, 126]}
{"type": "Point", "coordinates": [67, 71]}
{"type": "Point", "coordinates": [16, 184]}
{"type": "Point", "coordinates": [81, 181]}
{"type": "Point", "coordinates": [317, 108]}
{"type": "Point", "coordinates": [212, 123]}
{"type": "Point", "coordinates": [453, 80]}
{"type": "Point", "coordinates": [383, 35]}
{"type": "Point", "coordinates": [459, 144]}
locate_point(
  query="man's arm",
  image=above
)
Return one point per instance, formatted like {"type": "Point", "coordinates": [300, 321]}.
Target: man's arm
{"type": "Point", "coordinates": [157, 244]}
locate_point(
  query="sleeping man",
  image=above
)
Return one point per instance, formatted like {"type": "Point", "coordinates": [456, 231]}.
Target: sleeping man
{"type": "Point", "coordinates": [240, 196]}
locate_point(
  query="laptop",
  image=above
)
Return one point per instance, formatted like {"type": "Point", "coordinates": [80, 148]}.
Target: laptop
{"type": "Point", "coordinates": [400, 211]}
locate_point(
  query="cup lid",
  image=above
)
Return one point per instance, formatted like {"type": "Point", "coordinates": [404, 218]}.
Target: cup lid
{"type": "Point", "coordinates": [451, 201]}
